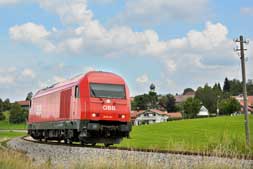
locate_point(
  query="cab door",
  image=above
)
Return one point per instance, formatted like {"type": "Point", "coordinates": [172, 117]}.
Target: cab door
{"type": "Point", "coordinates": [75, 102]}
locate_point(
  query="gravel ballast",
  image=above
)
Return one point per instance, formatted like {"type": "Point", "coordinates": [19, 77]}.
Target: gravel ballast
{"type": "Point", "coordinates": [67, 155]}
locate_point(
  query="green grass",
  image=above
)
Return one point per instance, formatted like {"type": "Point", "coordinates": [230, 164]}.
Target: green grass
{"type": "Point", "coordinates": [5, 125]}
{"type": "Point", "coordinates": [222, 135]}
{"type": "Point", "coordinates": [10, 134]}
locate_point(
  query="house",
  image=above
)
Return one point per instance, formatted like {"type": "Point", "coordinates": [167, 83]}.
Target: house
{"type": "Point", "coordinates": [203, 112]}
{"type": "Point", "coordinates": [152, 116]}
{"type": "Point", "coordinates": [241, 101]}
{"type": "Point", "coordinates": [24, 104]}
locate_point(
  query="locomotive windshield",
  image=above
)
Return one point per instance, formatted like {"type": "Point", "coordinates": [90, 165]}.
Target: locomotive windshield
{"type": "Point", "coordinates": [107, 91]}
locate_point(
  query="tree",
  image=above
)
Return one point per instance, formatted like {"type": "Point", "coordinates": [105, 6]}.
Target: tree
{"type": "Point", "coordinates": [2, 117]}
{"type": "Point", "coordinates": [168, 102]}
{"type": "Point", "coordinates": [219, 87]}
{"type": "Point", "coordinates": [226, 86]}
{"type": "Point", "coordinates": [187, 90]}
{"type": "Point", "coordinates": [235, 87]}
{"type": "Point", "coordinates": [229, 106]}
{"type": "Point", "coordinates": [1, 105]}
{"type": "Point", "coordinates": [6, 105]}
{"type": "Point", "coordinates": [17, 114]}
{"type": "Point", "coordinates": [250, 88]}
{"type": "Point", "coordinates": [29, 96]}
{"type": "Point", "coordinates": [153, 99]}
{"type": "Point", "coordinates": [208, 97]}
{"type": "Point", "coordinates": [191, 107]}
{"type": "Point", "coordinates": [141, 102]}
{"type": "Point", "coordinates": [171, 103]}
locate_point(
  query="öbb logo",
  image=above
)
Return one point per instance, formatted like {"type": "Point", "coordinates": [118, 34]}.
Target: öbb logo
{"type": "Point", "coordinates": [107, 107]}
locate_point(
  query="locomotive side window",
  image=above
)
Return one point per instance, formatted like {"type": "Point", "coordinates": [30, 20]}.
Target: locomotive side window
{"type": "Point", "coordinates": [77, 93]}
{"type": "Point", "coordinates": [107, 91]}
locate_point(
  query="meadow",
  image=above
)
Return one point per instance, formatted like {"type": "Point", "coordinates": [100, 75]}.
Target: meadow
{"type": "Point", "coordinates": [218, 135]}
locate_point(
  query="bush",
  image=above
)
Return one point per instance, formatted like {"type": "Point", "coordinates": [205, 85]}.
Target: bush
{"type": "Point", "coordinates": [17, 114]}
{"type": "Point", "coordinates": [229, 106]}
{"type": "Point", "coordinates": [2, 117]}
{"type": "Point", "coordinates": [191, 107]}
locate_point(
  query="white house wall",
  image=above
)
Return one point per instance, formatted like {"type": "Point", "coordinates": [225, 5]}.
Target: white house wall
{"type": "Point", "coordinates": [150, 119]}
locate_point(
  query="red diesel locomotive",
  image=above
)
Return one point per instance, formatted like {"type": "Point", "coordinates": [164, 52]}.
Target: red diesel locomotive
{"type": "Point", "coordinates": [91, 108]}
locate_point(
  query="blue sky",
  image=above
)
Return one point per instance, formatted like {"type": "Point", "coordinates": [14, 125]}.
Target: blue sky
{"type": "Point", "coordinates": [173, 44]}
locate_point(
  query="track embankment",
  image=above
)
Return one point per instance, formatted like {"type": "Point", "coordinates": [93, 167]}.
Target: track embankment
{"type": "Point", "coordinates": [67, 155]}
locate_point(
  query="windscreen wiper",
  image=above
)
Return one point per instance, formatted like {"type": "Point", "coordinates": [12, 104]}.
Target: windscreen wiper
{"type": "Point", "coordinates": [93, 92]}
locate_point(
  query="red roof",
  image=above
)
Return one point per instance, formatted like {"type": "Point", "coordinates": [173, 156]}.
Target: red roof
{"type": "Point", "coordinates": [183, 98]}
{"type": "Point", "coordinates": [23, 103]}
{"type": "Point", "coordinates": [175, 115]}
{"type": "Point", "coordinates": [240, 99]}
{"type": "Point", "coordinates": [134, 114]}
{"type": "Point", "coordinates": [250, 100]}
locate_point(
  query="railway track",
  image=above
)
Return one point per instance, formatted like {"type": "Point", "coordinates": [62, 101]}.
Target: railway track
{"type": "Point", "coordinates": [187, 153]}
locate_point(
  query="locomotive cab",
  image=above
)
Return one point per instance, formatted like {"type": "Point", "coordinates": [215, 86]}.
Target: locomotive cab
{"type": "Point", "coordinates": [109, 111]}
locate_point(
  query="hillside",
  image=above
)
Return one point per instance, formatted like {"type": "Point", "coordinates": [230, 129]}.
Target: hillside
{"type": "Point", "coordinates": [213, 135]}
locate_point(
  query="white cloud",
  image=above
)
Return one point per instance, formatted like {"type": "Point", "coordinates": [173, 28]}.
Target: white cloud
{"type": "Point", "coordinates": [158, 11]}
{"type": "Point", "coordinates": [61, 65]}
{"type": "Point", "coordinates": [247, 10]}
{"type": "Point", "coordinates": [28, 73]}
{"type": "Point", "coordinates": [28, 32]}
{"type": "Point", "coordinates": [31, 32]}
{"type": "Point", "coordinates": [74, 11]}
{"type": "Point", "coordinates": [142, 79]}
{"type": "Point", "coordinates": [196, 54]}
{"type": "Point", "coordinates": [8, 69]}
{"type": "Point", "coordinates": [5, 80]}
{"type": "Point", "coordinates": [104, 1]}
{"type": "Point", "coordinates": [171, 65]}
{"type": "Point", "coordinates": [8, 2]}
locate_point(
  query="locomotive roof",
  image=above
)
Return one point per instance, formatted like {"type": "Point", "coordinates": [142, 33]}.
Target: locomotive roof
{"type": "Point", "coordinates": [67, 83]}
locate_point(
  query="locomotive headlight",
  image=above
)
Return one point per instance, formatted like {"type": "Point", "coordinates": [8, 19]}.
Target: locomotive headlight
{"type": "Point", "coordinates": [123, 116]}
{"type": "Point", "coordinates": [93, 114]}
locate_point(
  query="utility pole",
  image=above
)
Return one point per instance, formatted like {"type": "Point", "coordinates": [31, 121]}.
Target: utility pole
{"type": "Point", "coordinates": [245, 97]}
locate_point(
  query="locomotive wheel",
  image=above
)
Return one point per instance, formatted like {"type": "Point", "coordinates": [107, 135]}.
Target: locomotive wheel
{"type": "Point", "coordinates": [68, 141]}
{"type": "Point", "coordinates": [83, 143]}
{"type": "Point", "coordinates": [107, 145]}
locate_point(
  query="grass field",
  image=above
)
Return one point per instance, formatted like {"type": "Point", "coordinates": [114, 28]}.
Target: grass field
{"type": "Point", "coordinates": [5, 125]}
{"type": "Point", "coordinates": [10, 134]}
{"type": "Point", "coordinates": [213, 135]}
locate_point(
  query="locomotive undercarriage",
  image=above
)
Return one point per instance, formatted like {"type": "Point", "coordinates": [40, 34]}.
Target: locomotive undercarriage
{"type": "Point", "coordinates": [86, 132]}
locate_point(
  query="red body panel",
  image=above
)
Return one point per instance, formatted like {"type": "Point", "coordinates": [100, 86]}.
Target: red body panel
{"type": "Point", "coordinates": [59, 103]}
